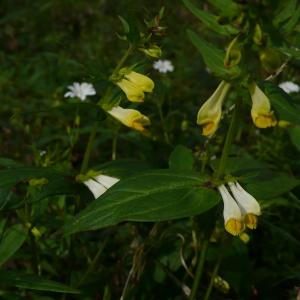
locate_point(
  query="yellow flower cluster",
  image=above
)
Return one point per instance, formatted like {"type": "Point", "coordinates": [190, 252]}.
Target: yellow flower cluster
{"type": "Point", "coordinates": [209, 114]}
{"type": "Point", "coordinates": [134, 85]}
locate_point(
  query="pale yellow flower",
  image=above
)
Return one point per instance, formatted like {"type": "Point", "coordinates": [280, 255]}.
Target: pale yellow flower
{"type": "Point", "coordinates": [141, 81]}
{"type": "Point", "coordinates": [209, 115]}
{"type": "Point", "coordinates": [261, 113]}
{"type": "Point", "coordinates": [133, 92]}
{"type": "Point", "coordinates": [249, 206]}
{"type": "Point", "coordinates": [232, 214]}
{"type": "Point", "coordinates": [134, 85]}
{"type": "Point", "coordinates": [130, 117]}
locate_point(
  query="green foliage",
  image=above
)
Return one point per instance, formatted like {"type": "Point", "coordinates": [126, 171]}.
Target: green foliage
{"type": "Point", "coordinates": [213, 57]}
{"type": "Point", "coordinates": [151, 196]}
{"type": "Point", "coordinates": [68, 230]}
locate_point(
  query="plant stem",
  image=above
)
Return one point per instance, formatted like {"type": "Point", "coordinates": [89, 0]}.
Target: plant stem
{"type": "Point", "coordinates": [88, 149]}
{"type": "Point", "coordinates": [92, 265]}
{"type": "Point", "coordinates": [162, 120]}
{"type": "Point", "coordinates": [214, 274]}
{"type": "Point", "coordinates": [228, 141]}
{"type": "Point", "coordinates": [123, 59]}
{"type": "Point", "coordinates": [199, 270]}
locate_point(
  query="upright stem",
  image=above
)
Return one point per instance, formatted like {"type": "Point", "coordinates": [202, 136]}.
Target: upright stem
{"type": "Point", "coordinates": [162, 120]}
{"type": "Point", "coordinates": [93, 265]}
{"type": "Point", "coordinates": [123, 59]}
{"type": "Point", "coordinates": [87, 153]}
{"type": "Point", "coordinates": [199, 270]}
{"type": "Point", "coordinates": [213, 276]}
{"type": "Point", "coordinates": [88, 149]}
{"type": "Point", "coordinates": [228, 141]}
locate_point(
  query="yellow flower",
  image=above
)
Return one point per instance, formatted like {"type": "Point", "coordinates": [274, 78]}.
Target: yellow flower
{"type": "Point", "coordinates": [141, 81]}
{"type": "Point", "coordinates": [209, 114]}
{"type": "Point", "coordinates": [133, 93]}
{"type": "Point", "coordinates": [232, 214]}
{"type": "Point", "coordinates": [249, 206]}
{"type": "Point", "coordinates": [130, 117]}
{"type": "Point", "coordinates": [261, 113]}
{"type": "Point", "coordinates": [134, 85]}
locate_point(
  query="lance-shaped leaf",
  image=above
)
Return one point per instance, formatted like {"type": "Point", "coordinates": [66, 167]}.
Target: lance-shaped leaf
{"type": "Point", "coordinates": [210, 20]}
{"type": "Point", "coordinates": [282, 103]}
{"type": "Point", "coordinates": [152, 196]}
{"type": "Point", "coordinates": [13, 238]}
{"type": "Point", "coordinates": [213, 57]}
{"type": "Point", "coordinates": [34, 282]}
{"type": "Point", "coordinates": [227, 8]}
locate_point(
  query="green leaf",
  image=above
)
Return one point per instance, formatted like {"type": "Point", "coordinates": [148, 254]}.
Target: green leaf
{"type": "Point", "coordinates": [60, 186]}
{"type": "Point", "coordinates": [227, 8]}
{"type": "Point", "coordinates": [9, 163]}
{"type": "Point", "coordinates": [156, 195]}
{"type": "Point", "coordinates": [213, 57]}
{"type": "Point", "coordinates": [125, 24]}
{"type": "Point", "coordinates": [210, 20]}
{"type": "Point", "coordinates": [11, 241]}
{"type": "Point", "coordinates": [12, 176]}
{"type": "Point", "coordinates": [291, 52]}
{"type": "Point", "coordinates": [181, 159]}
{"type": "Point", "coordinates": [269, 184]}
{"type": "Point", "coordinates": [59, 183]}
{"type": "Point", "coordinates": [282, 103]}
{"type": "Point", "coordinates": [290, 25]}
{"type": "Point", "coordinates": [281, 233]}
{"type": "Point", "coordinates": [294, 133]}
{"type": "Point", "coordinates": [122, 167]}
{"type": "Point", "coordinates": [284, 11]}
{"type": "Point", "coordinates": [33, 282]}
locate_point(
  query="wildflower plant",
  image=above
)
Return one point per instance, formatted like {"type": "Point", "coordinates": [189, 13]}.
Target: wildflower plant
{"type": "Point", "coordinates": [150, 178]}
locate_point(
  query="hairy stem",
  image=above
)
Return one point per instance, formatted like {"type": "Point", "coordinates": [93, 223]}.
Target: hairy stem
{"type": "Point", "coordinates": [199, 270]}
{"type": "Point", "coordinates": [228, 141]}
{"type": "Point", "coordinates": [213, 276]}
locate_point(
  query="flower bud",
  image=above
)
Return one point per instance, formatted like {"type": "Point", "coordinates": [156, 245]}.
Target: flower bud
{"type": "Point", "coordinates": [153, 51]}
{"type": "Point", "coordinates": [270, 60]}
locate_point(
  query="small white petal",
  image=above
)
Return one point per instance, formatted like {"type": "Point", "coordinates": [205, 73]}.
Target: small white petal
{"type": "Point", "coordinates": [106, 181]}
{"type": "Point", "coordinates": [80, 90]}
{"type": "Point", "coordinates": [231, 209]}
{"type": "Point", "coordinates": [163, 66]}
{"type": "Point", "coordinates": [246, 201]}
{"type": "Point", "coordinates": [100, 184]}
{"type": "Point", "coordinates": [289, 87]}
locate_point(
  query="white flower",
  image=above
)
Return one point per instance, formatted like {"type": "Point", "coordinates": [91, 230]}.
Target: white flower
{"type": "Point", "coordinates": [163, 66]}
{"type": "Point", "coordinates": [43, 152]}
{"type": "Point", "coordinates": [247, 203]}
{"type": "Point", "coordinates": [289, 87]}
{"type": "Point", "coordinates": [80, 90]}
{"type": "Point", "coordinates": [232, 214]}
{"type": "Point", "coordinates": [98, 185]}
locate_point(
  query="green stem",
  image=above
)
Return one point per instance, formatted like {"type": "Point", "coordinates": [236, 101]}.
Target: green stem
{"type": "Point", "coordinates": [214, 274]}
{"type": "Point", "coordinates": [199, 270]}
{"type": "Point", "coordinates": [123, 59]}
{"type": "Point", "coordinates": [87, 153]}
{"type": "Point", "coordinates": [162, 120]}
{"type": "Point", "coordinates": [92, 266]}
{"type": "Point", "coordinates": [228, 141]}
{"type": "Point", "coordinates": [88, 149]}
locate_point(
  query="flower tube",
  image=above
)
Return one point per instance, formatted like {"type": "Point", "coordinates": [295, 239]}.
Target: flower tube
{"type": "Point", "coordinates": [130, 117]}
{"type": "Point", "coordinates": [232, 214]}
{"type": "Point", "coordinates": [249, 206]}
{"type": "Point", "coordinates": [261, 113]}
{"type": "Point", "coordinates": [209, 115]}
